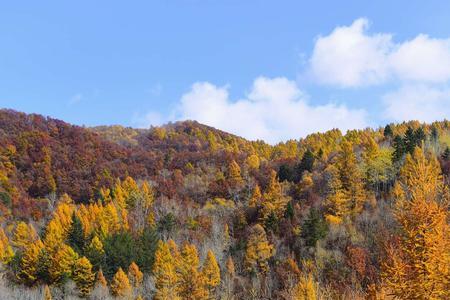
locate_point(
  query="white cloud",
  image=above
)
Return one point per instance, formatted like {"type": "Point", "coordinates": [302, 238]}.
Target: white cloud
{"type": "Point", "coordinates": [422, 59]}
{"type": "Point", "coordinates": [274, 110]}
{"type": "Point", "coordinates": [417, 102]}
{"type": "Point", "coordinates": [76, 99]}
{"type": "Point", "coordinates": [350, 57]}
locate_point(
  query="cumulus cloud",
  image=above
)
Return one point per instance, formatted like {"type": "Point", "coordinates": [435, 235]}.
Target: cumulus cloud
{"type": "Point", "coordinates": [417, 102]}
{"type": "Point", "coordinates": [350, 56]}
{"type": "Point", "coordinates": [274, 110]}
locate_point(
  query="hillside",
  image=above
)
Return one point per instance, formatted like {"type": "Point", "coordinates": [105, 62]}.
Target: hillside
{"type": "Point", "coordinates": [207, 214]}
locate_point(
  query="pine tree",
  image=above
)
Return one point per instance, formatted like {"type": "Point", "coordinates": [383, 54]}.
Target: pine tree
{"type": "Point", "coordinates": [75, 237]}
{"type": "Point", "coordinates": [95, 252]}
{"type": "Point", "coordinates": [258, 250]}
{"type": "Point", "coordinates": [83, 276]}
{"type": "Point", "coordinates": [120, 285]}
{"type": "Point", "coordinates": [164, 270]}
{"type": "Point", "coordinates": [388, 131]}
{"type": "Point", "coordinates": [211, 272]}
{"type": "Point", "coordinates": [418, 262]}
{"type": "Point", "coordinates": [135, 275]}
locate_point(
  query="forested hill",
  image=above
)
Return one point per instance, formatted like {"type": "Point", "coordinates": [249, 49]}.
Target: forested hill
{"type": "Point", "coordinates": [328, 216]}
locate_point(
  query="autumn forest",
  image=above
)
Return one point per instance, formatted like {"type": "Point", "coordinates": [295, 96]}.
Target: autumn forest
{"type": "Point", "coordinates": [186, 211]}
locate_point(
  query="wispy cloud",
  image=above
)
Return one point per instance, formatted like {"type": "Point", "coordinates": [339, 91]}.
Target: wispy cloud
{"type": "Point", "coordinates": [75, 99]}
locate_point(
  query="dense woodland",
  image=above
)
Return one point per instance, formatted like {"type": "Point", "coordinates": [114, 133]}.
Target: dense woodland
{"type": "Point", "coordinates": [185, 211]}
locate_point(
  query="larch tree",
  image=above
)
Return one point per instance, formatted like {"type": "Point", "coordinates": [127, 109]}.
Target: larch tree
{"type": "Point", "coordinates": [95, 252]}
{"type": "Point", "coordinates": [83, 276]}
{"type": "Point", "coordinates": [120, 284]}
{"type": "Point", "coordinates": [62, 264]}
{"type": "Point", "coordinates": [164, 271]}
{"type": "Point", "coordinates": [211, 272]}
{"type": "Point", "coordinates": [24, 235]}
{"type": "Point", "coordinates": [274, 201]}
{"type": "Point", "coordinates": [418, 260]}
{"type": "Point", "coordinates": [47, 295]}
{"type": "Point", "coordinates": [28, 264]}
{"type": "Point", "coordinates": [305, 289]}
{"type": "Point", "coordinates": [255, 199]}
{"type": "Point", "coordinates": [258, 250]}
{"type": "Point", "coordinates": [135, 275]}
{"type": "Point", "coordinates": [191, 281]}
{"type": "Point", "coordinates": [6, 251]}
{"type": "Point", "coordinates": [230, 274]}
{"type": "Point", "coordinates": [101, 280]}
{"type": "Point", "coordinates": [351, 178]}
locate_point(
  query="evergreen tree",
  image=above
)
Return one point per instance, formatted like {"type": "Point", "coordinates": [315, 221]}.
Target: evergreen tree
{"type": "Point", "coordinates": [306, 164]}
{"type": "Point", "coordinates": [75, 238]}
{"type": "Point", "coordinates": [388, 131]}
{"type": "Point", "coordinates": [314, 228]}
{"type": "Point", "coordinates": [399, 148]}
{"type": "Point", "coordinates": [95, 252]}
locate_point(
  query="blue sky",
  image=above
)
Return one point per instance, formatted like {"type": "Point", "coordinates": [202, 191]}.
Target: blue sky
{"type": "Point", "coordinates": [262, 69]}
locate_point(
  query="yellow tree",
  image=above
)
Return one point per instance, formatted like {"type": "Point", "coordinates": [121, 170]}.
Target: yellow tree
{"type": "Point", "coordinates": [47, 294]}
{"type": "Point", "coordinates": [24, 235]}
{"type": "Point", "coordinates": [211, 272]}
{"type": "Point", "coordinates": [164, 270]}
{"type": "Point", "coordinates": [255, 200]}
{"type": "Point", "coordinates": [135, 275]}
{"type": "Point", "coordinates": [230, 272]}
{"type": "Point", "coordinates": [28, 264]}
{"type": "Point", "coordinates": [101, 280]}
{"type": "Point", "coordinates": [418, 262]}
{"type": "Point", "coordinates": [120, 285]}
{"type": "Point", "coordinates": [83, 276]}
{"type": "Point", "coordinates": [191, 281]}
{"type": "Point", "coordinates": [305, 289]}
{"type": "Point", "coordinates": [351, 178]}
{"type": "Point", "coordinates": [6, 251]}
{"type": "Point", "coordinates": [234, 173]}
{"type": "Point", "coordinates": [338, 205]}
{"type": "Point", "coordinates": [274, 201]}
{"type": "Point", "coordinates": [258, 250]}
{"type": "Point", "coordinates": [62, 263]}
{"type": "Point", "coordinates": [253, 161]}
